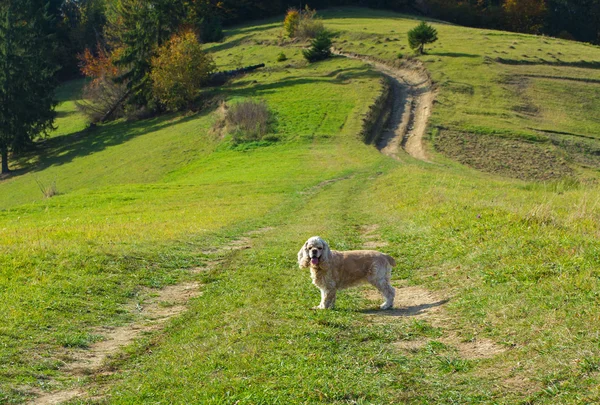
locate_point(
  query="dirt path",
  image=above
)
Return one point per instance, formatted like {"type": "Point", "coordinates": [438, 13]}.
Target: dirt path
{"type": "Point", "coordinates": [152, 314]}
{"type": "Point", "coordinates": [413, 96]}
{"type": "Point", "coordinates": [417, 302]}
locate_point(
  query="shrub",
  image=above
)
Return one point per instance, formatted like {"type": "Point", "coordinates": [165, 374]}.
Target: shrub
{"type": "Point", "coordinates": [420, 35]}
{"type": "Point", "coordinates": [248, 121]}
{"type": "Point", "coordinates": [320, 48]}
{"type": "Point", "coordinates": [179, 70]}
{"type": "Point", "coordinates": [309, 26]}
{"type": "Point", "coordinates": [291, 21]}
{"type": "Point", "coordinates": [303, 24]}
{"type": "Point", "coordinates": [281, 57]}
{"type": "Point", "coordinates": [102, 96]}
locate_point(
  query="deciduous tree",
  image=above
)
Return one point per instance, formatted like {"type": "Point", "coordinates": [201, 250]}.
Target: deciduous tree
{"type": "Point", "coordinates": [179, 70]}
{"type": "Point", "coordinates": [525, 15]}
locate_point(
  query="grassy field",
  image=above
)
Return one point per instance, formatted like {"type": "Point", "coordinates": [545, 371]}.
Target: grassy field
{"type": "Point", "coordinates": [507, 262]}
{"type": "Point", "coordinates": [541, 92]}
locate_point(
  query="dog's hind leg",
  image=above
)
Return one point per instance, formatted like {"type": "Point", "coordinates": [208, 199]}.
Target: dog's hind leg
{"type": "Point", "coordinates": [382, 283]}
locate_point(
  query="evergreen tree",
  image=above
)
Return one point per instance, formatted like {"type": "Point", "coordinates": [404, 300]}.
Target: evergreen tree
{"type": "Point", "coordinates": [320, 48]}
{"type": "Point", "coordinates": [26, 75]}
{"type": "Point", "coordinates": [420, 35]}
{"type": "Point", "coordinates": [140, 27]}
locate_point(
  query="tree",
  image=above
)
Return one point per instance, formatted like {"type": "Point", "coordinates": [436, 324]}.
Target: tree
{"type": "Point", "coordinates": [140, 27]}
{"type": "Point", "coordinates": [27, 73]}
{"type": "Point", "coordinates": [420, 35]}
{"type": "Point", "coordinates": [525, 15]}
{"type": "Point", "coordinates": [291, 21]}
{"type": "Point", "coordinates": [102, 95]}
{"type": "Point", "coordinates": [320, 48]}
{"type": "Point", "coordinates": [179, 70]}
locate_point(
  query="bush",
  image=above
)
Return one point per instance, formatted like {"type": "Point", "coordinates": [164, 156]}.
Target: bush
{"type": "Point", "coordinates": [303, 24]}
{"type": "Point", "coordinates": [309, 26]}
{"type": "Point", "coordinates": [179, 71]}
{"type": "Point", "coordinates": [420, 35]}
{"type": "Point", "coordinates": [248, 121]}
{"type": "Point", "coordinates": [291, 21]}
{"type": "Point", "coordinates": [320, 48]}
{"type": "Point", "coordinates": [281, 57]}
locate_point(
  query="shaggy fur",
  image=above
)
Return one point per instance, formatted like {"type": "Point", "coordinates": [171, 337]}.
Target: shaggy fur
{"type": "Point", "coordinates": [332, 270]}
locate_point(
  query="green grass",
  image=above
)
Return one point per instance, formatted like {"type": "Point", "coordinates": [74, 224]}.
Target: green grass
{"type": "Point", "coordinates": [140, 203]}
{"type": "Point", "coordinates": [493, 83]}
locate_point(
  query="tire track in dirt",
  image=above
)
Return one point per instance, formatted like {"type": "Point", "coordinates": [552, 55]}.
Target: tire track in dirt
{"type": "Point", "coordinates": [413, 94]}
{"type": "Point", "coordinates": [157, 309]}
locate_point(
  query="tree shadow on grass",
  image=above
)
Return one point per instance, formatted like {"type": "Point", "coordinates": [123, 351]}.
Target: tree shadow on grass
{"type": "Point", "coordinates": [64, 149]}
{"type": "Point", "coordinates": [588, 64]}
{"type": "Point", "coordinates": [247, 29]}
{"type": "Point", "coordinates": [454, 54]}
{"type": "Point", "coordinates": [248, 88]}
{"type": "Point", "coordinates": [228, 45]}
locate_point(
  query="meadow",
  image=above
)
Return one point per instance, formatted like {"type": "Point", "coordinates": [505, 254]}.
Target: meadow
{"type": "Point", "coordinates": [508, 260]}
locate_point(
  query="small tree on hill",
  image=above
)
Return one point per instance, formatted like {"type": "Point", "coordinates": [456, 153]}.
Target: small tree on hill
{"type": "Point", "coordinates": [291, 21]}
{"type": "Point", "coordinates": [179, 70]}
{"type": "Point", "coordinates": [420, 35]}
{"type": "Point", "coordinates": [320, 48]}
{"type": "Point", "coordinates": [102, 95]}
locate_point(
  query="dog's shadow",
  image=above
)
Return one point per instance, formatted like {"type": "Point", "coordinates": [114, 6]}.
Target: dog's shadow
{"type": "Point", "coordinates": [414, 310]}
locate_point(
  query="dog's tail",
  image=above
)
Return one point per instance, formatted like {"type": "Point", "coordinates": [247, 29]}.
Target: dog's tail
{"type": "Point", "coordinates": [390, 260]}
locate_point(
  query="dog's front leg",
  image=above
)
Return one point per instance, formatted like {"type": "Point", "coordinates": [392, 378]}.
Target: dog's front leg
{"type": "Point", "coordinates": [327, 299]}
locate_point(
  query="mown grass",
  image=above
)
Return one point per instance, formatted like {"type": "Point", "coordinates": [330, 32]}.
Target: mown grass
{"type": "Point", "coordinates": [141, 203]}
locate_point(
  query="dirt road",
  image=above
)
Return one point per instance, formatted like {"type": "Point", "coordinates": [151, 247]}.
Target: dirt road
{"type": "Point", "coordinates": [413, 96]}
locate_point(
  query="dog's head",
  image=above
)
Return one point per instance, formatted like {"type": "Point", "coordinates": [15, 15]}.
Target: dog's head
{"type": "Point", "coordinates": [314, 252]}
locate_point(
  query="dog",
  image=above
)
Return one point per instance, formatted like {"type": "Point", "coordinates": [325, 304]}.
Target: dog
{"type": "Point", "coordinates": [332, 270]}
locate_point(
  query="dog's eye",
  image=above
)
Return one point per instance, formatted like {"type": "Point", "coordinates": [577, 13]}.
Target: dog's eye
{"type": "Point", "coordinates": [320, 248]}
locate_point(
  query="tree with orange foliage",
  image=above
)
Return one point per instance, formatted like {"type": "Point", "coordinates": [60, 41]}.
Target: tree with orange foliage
{"type": "Point", "coordinates": [102, 96]}
{"type": "Point", "coordinates": [97, 67]}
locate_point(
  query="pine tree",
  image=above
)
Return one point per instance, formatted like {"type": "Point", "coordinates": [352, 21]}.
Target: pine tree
{"type": "Point", "coordinates": [140, 27]}
{"type": "Point", "coordinates": [26, 75]}
{"type": "Point", "coordinates": [320, 48]}
{"type": "Point", "coordinates": [420, 35]}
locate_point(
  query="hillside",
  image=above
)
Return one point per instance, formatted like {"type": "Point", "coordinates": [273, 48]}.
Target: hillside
{"type": "Point", "coordinates": [497, 278]}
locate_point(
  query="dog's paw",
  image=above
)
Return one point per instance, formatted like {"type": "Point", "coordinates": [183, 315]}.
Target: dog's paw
{"type": "Point", "coordinates": [385, 306]}
{"type": "Point", "coordinates": [318, 307]}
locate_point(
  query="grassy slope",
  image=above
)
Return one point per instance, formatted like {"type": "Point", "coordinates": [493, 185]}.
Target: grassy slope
{"type": "Point", "coordinates": [475, 93]}
{"type": "Point", "coordinates": [502, 84]}
{"type": "Point", "coordinates": [142, 200]}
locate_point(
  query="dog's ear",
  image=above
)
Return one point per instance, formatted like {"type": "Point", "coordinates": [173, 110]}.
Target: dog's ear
{"type": "Point", "coordinates": [303, 258]}
{"type": "Point", "coordinates": [326, 255]}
